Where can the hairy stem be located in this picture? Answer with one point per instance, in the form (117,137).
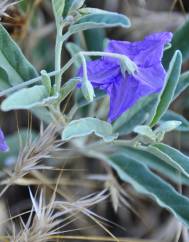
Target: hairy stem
(58,52)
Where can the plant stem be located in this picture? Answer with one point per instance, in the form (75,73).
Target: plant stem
(26,83)
(58,52)
(61,71)
(85,77)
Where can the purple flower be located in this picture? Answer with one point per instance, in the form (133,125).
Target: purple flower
(125,89)
(3,145)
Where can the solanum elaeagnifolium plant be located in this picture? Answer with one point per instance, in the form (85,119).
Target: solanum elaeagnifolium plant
(138,86)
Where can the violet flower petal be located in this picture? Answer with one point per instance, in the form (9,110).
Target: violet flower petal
(144,53)
(100,71)
(3,145)
(124,91)
(123,94)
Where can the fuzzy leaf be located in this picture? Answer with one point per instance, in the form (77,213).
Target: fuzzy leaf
(100,20)
(87,126)
(181,159)
(168,126)
(67,88)
(46,81)
(75,5)
(166,157)
(179,42)
(183,83)
(167,94)
(13,61)
(4,80)
(170,115)
(136,115)
(145,130)
(72,5)
(73,49)
(25,98)
(156,163)
(146,182)
(58,7)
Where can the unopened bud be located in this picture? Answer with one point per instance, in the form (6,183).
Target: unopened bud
(88,91)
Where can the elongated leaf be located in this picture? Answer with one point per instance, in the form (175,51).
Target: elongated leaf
(168,126)
(73,49)
(82,102)
(100,20)
(146,182)
(146,131)
(58,7)
(159,153)
(43,114)
(94,39)
(67,88)
(75,4)
(72,5)
(155,163)
(136,115)
(170,115)
(175,155)
(183,83)
(179,42)
(46,81)
(168,91)
(4,80)
(87,126)
(13,61)
(25,98)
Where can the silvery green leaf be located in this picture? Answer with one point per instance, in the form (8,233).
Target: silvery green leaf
(86,126)
(25,98)
(167,94)
(4,79)
(170,115)
(167,126)
(183,84)
(13,61)
(95,40)
(75,5)
(87,11)
(72,5)
(73,49)
(58,7)
(87,90)
(156,163)
(166,157)
(179,158)
(67,88)
(42,113)
(82,102)
(100,20)
(148,183)
(46,81)
(179,42)
(167,46)
(146,131)
(136,115)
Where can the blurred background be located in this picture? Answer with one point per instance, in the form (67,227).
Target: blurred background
(31,24)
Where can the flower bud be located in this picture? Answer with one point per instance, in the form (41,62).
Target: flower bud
(88,91)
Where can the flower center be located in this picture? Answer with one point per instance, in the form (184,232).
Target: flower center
(128,66)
